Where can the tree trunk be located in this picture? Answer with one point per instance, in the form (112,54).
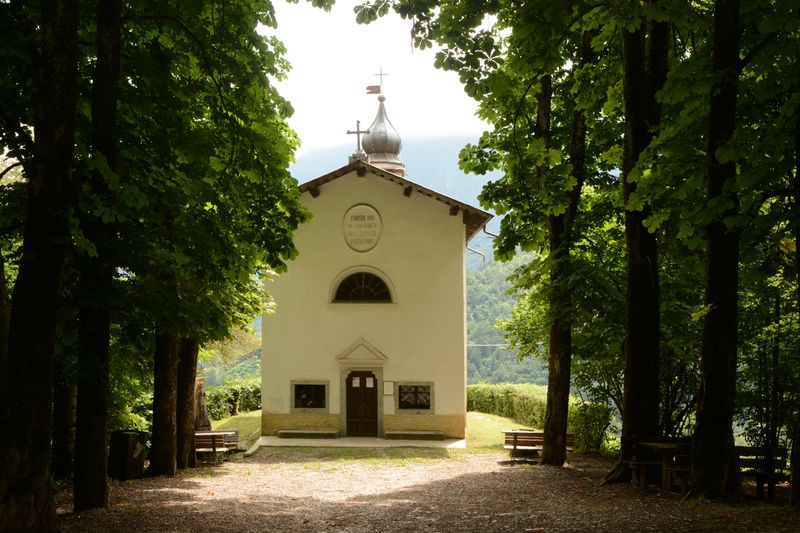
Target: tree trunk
(163,443)
(96,276)
(775,396)
(560,301)
(555,418)
(645,70)
(714,469)
(64,405)
(25,497)
(187,372)
(90,482)
(795,459)
(5,317)
(560,360)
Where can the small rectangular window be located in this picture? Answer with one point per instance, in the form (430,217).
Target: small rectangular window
(309,396)
(414,396)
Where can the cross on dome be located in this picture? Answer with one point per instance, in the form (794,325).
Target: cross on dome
(358,131)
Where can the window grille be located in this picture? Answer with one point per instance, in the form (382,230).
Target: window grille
(414,396)
(309,396)
(362,287)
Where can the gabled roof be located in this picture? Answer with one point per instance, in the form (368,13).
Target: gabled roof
(473,217)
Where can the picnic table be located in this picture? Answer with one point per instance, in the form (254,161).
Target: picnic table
(676,460)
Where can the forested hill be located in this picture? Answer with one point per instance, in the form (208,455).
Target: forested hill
(488,300)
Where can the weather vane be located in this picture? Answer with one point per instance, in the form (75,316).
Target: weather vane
(376,89)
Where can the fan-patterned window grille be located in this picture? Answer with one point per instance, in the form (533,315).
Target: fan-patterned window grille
(362,287)
(414,396)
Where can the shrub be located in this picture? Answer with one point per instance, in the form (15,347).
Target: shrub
(526,404)
(227,400)
(590,422)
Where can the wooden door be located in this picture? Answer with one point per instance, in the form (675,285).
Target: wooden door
(362,404)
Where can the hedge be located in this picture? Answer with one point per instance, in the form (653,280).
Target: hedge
(227,400)
(526,403)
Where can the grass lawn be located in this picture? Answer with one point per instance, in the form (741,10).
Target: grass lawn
(248,424)
(483,431)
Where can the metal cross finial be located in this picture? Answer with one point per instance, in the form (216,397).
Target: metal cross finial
(358,133)
(380,75)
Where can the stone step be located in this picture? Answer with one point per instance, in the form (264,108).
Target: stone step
(308,433)
(414,435)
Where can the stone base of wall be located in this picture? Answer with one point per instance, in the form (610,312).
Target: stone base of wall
(454,426)
(272,422)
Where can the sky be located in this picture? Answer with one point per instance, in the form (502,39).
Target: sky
(333,61)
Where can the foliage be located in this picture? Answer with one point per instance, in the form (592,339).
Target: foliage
(246,368)
(591,422)
(227,351)
(525,404)
(223,158)
(228,400)
(501,50)
(769,375)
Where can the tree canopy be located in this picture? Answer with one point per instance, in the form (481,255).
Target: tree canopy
(176,202)
(690,115)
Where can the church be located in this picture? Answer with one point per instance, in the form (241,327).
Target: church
(368,335)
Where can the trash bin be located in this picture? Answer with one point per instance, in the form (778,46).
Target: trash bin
(126,454)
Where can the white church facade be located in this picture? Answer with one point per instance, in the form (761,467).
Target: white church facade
(368,337)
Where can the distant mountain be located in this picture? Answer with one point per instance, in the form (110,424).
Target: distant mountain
(431,162)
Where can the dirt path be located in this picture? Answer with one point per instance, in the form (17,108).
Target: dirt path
(402,490)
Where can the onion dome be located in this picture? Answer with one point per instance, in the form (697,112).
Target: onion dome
(382,144)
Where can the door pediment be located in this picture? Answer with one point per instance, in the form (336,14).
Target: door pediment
(361,353)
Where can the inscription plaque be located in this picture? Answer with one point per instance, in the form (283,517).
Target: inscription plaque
(362,227)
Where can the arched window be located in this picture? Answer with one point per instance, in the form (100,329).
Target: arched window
(362,287)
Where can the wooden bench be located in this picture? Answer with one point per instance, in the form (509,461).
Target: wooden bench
(230,436)
(211,443)
(766,465)
(528,443)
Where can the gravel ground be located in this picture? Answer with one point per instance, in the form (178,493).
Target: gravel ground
(313,489)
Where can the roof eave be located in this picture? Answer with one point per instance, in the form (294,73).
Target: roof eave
(474,218)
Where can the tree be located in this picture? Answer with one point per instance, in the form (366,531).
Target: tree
(526,88)
(226,156)
(96,272)
(795,454)
(702,85)
(714,469)
(187,369)
(644,49)
(25,499)
(164,443)
(202,135)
